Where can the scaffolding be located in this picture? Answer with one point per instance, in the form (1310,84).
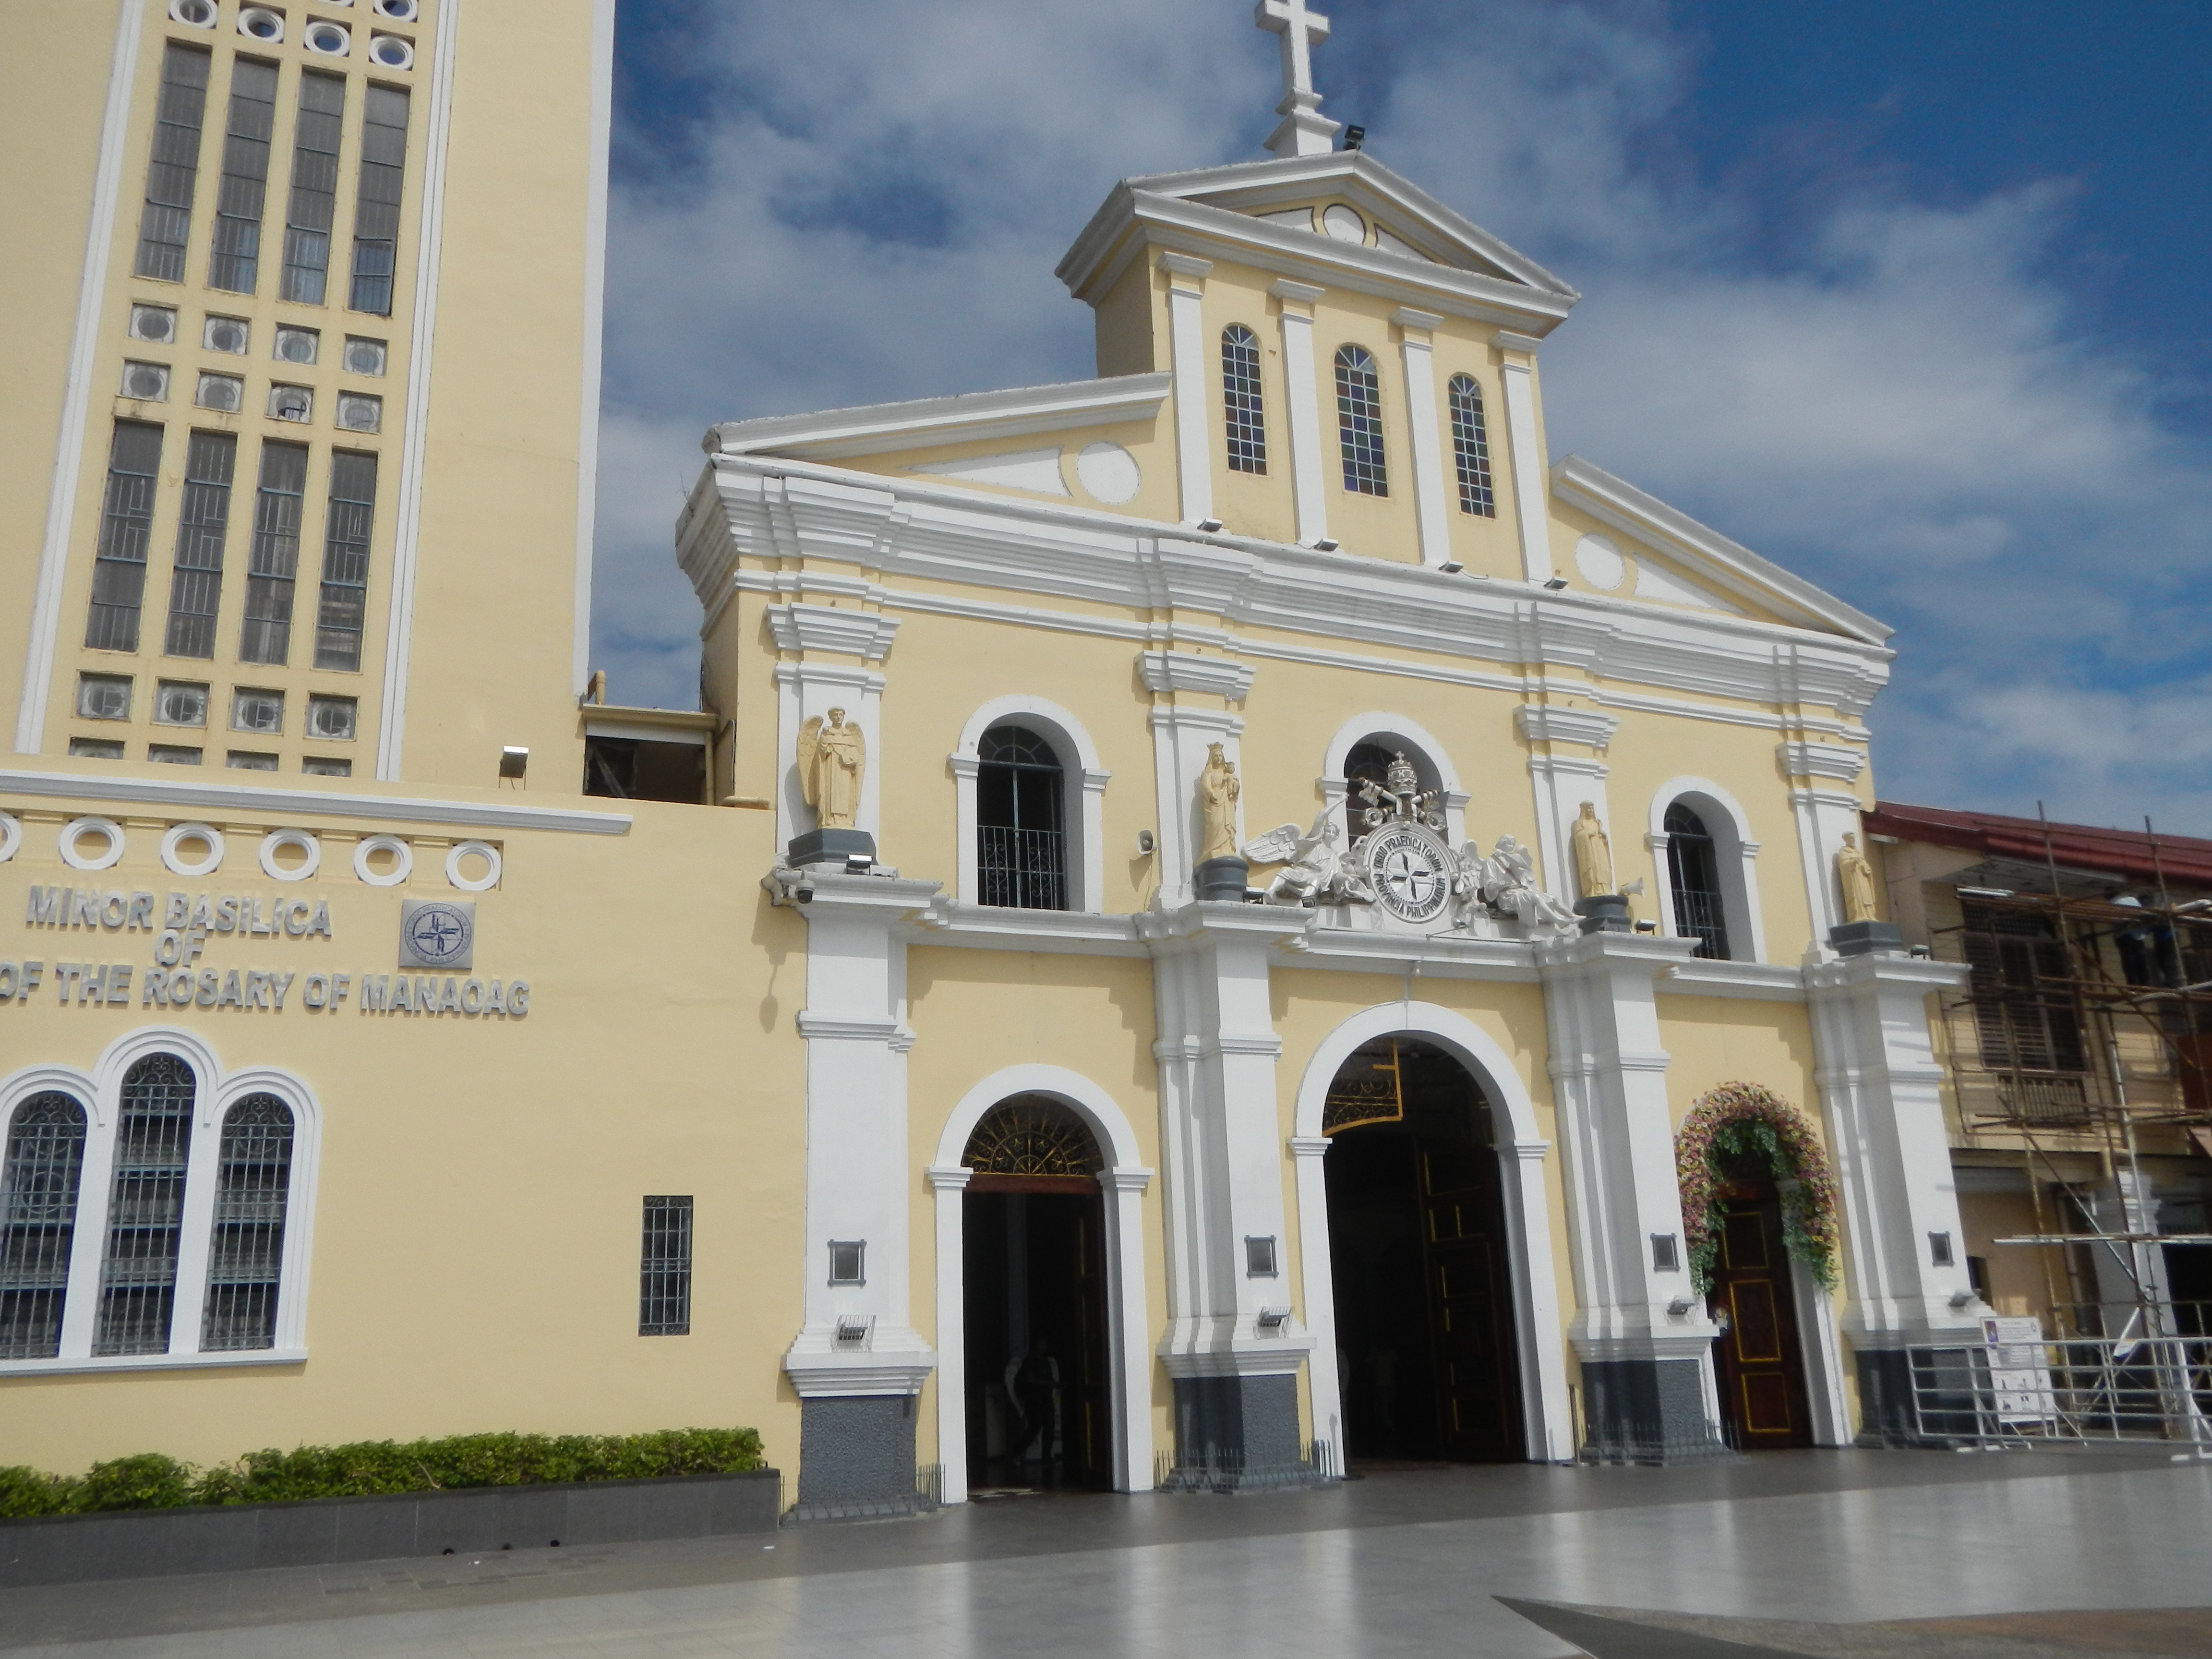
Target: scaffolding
(2084,1040)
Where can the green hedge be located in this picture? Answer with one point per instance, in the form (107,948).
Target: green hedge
(152,1481)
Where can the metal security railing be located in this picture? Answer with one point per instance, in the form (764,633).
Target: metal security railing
(1224,1469)
(1622,1441)
(1021,869)
(2133,1374)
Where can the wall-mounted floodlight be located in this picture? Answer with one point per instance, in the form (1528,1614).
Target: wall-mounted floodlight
(1212,526)
(513,762)
(1451,567)
(1354,137)
(1324,545)
(1556,583)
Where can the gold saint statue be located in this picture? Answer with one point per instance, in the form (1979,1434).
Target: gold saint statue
(1217,790)
(832,755)
(1593,853)
(1856,877)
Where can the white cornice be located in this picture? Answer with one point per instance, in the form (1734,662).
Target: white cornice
(1763,981)
(1705,551)
(1545,723)
(864,634)
(1185,671)
(1822,760)
(246,801)
(877,429)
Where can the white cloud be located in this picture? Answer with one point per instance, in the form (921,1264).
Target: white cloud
(1901,404)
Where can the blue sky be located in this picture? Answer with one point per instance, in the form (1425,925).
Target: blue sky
(1909,298)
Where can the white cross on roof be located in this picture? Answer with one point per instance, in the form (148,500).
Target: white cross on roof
(1303,131)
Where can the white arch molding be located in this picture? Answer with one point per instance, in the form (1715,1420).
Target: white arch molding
(1521,1154)
(1735,856)
(1128,1348)
(1083,806)
(1421,744)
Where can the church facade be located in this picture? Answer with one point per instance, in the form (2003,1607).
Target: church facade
(1205,898)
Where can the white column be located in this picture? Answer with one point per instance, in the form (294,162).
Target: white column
(1432,506)
(1186,337)
(1516,373)
(950,1187)
(1547,1420)
(1318,1295)
(1132,1344)
(1301,401)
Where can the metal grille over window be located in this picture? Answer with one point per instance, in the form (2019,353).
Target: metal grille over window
(273,560)
(664,1294)
(166,222)
(2026,1009)
(1036,1136)
(1693,871)
(1021,859)
(145,1215)
(234,262)
(126,524)
(376,213)
(38,1178)
(196,588)
(313,200)
(345,562)
(245,1253)
(1359,422)
(1471,447)
(1247,419)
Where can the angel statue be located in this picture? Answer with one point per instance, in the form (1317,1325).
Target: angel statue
(1314,871)
(831,758)
(1509,882)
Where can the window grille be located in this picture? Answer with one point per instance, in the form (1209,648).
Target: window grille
(313,202)
(1471,447)
(126,524)
(376,210)
(245,1253)
(664,1294)
(1240,391)
(1033,1135)
(1693,871)
(196,588)
(1021,858)
(153,1138)
(2021,985)
(1359,422)
(234,262)
(273,557)
(38,1178)
(165,224)
(345,562)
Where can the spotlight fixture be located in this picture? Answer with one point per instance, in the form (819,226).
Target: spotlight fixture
(513,762)
(1211,527)
(1451,567)
(1354,137)
(1324,545)
(1556,583)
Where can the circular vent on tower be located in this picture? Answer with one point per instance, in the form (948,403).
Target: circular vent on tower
(399,11)
(259,23)
(391,51)
(225,334)
(194,14)
(224,392)
(148,382)
(329,39)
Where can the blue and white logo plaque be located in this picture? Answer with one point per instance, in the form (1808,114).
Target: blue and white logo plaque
(440,933)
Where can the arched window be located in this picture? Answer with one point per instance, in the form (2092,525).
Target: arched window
(1359,422)
(246,1253)
(146,1208)
(1033,1138)
(1471,447)
(1021,791)
(39,1175)
(1245,420)
(1693,871)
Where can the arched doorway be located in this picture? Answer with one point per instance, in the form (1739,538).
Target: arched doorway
(1428,1364)
(1039,1405)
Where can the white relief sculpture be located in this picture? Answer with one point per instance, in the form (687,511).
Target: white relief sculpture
(1506,881)
(1313,868)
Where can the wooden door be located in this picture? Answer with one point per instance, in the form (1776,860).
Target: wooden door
(1761,1361)
(1471,1305)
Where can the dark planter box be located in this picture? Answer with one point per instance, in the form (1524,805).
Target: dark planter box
(70,1549)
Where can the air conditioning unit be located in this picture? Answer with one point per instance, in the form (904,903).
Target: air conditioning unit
(228,334)
(224,392)
(329,39)
(330,717)
(358,412)
(298,345)
(157,324)
(177,704)
(193,13)
(391,51)
(259,23)
(363,356)
(399,11)
(291,403)
(148,382)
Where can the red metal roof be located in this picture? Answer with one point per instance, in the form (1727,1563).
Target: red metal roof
(2126,853)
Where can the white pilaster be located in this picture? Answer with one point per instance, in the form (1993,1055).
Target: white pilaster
(1181,736)
(1132,1380)
(948,1187)
(1431,504)
(1563,783)
(1318,1295)
(1516,374)
(1193,378)
(1302,410)
(1823,816)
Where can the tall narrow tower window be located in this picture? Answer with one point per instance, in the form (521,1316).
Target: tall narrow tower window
(246,1253)
(196,588)
(376,213)
(273,561)
(1694,871)
(313,200)
(345,562)
(126,523)
(1471,447)
(1247,421)
(1359,422)
(235,261)
(165,224)
(38,1178)
(146,1212)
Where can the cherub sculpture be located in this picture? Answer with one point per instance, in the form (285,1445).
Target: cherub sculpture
(1507,883)
(1314,869)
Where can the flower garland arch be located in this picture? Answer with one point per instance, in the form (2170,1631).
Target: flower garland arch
(1739,1122)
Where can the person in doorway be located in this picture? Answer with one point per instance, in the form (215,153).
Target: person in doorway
(1033,1387)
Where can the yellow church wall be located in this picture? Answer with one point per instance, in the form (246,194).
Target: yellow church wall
(1127,321)
(1710,1041)
(1151,442)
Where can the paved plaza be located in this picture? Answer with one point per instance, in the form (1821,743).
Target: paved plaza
(1991,1556)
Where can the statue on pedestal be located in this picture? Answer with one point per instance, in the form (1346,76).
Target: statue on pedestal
(1856,877)
(832,757)
(1592,854)
(1219,787)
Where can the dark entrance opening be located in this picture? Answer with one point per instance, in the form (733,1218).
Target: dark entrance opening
(1759,1363)
(1033,1222)
(1427,1361)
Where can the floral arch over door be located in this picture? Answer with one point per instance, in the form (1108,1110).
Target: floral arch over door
(1740,1125)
